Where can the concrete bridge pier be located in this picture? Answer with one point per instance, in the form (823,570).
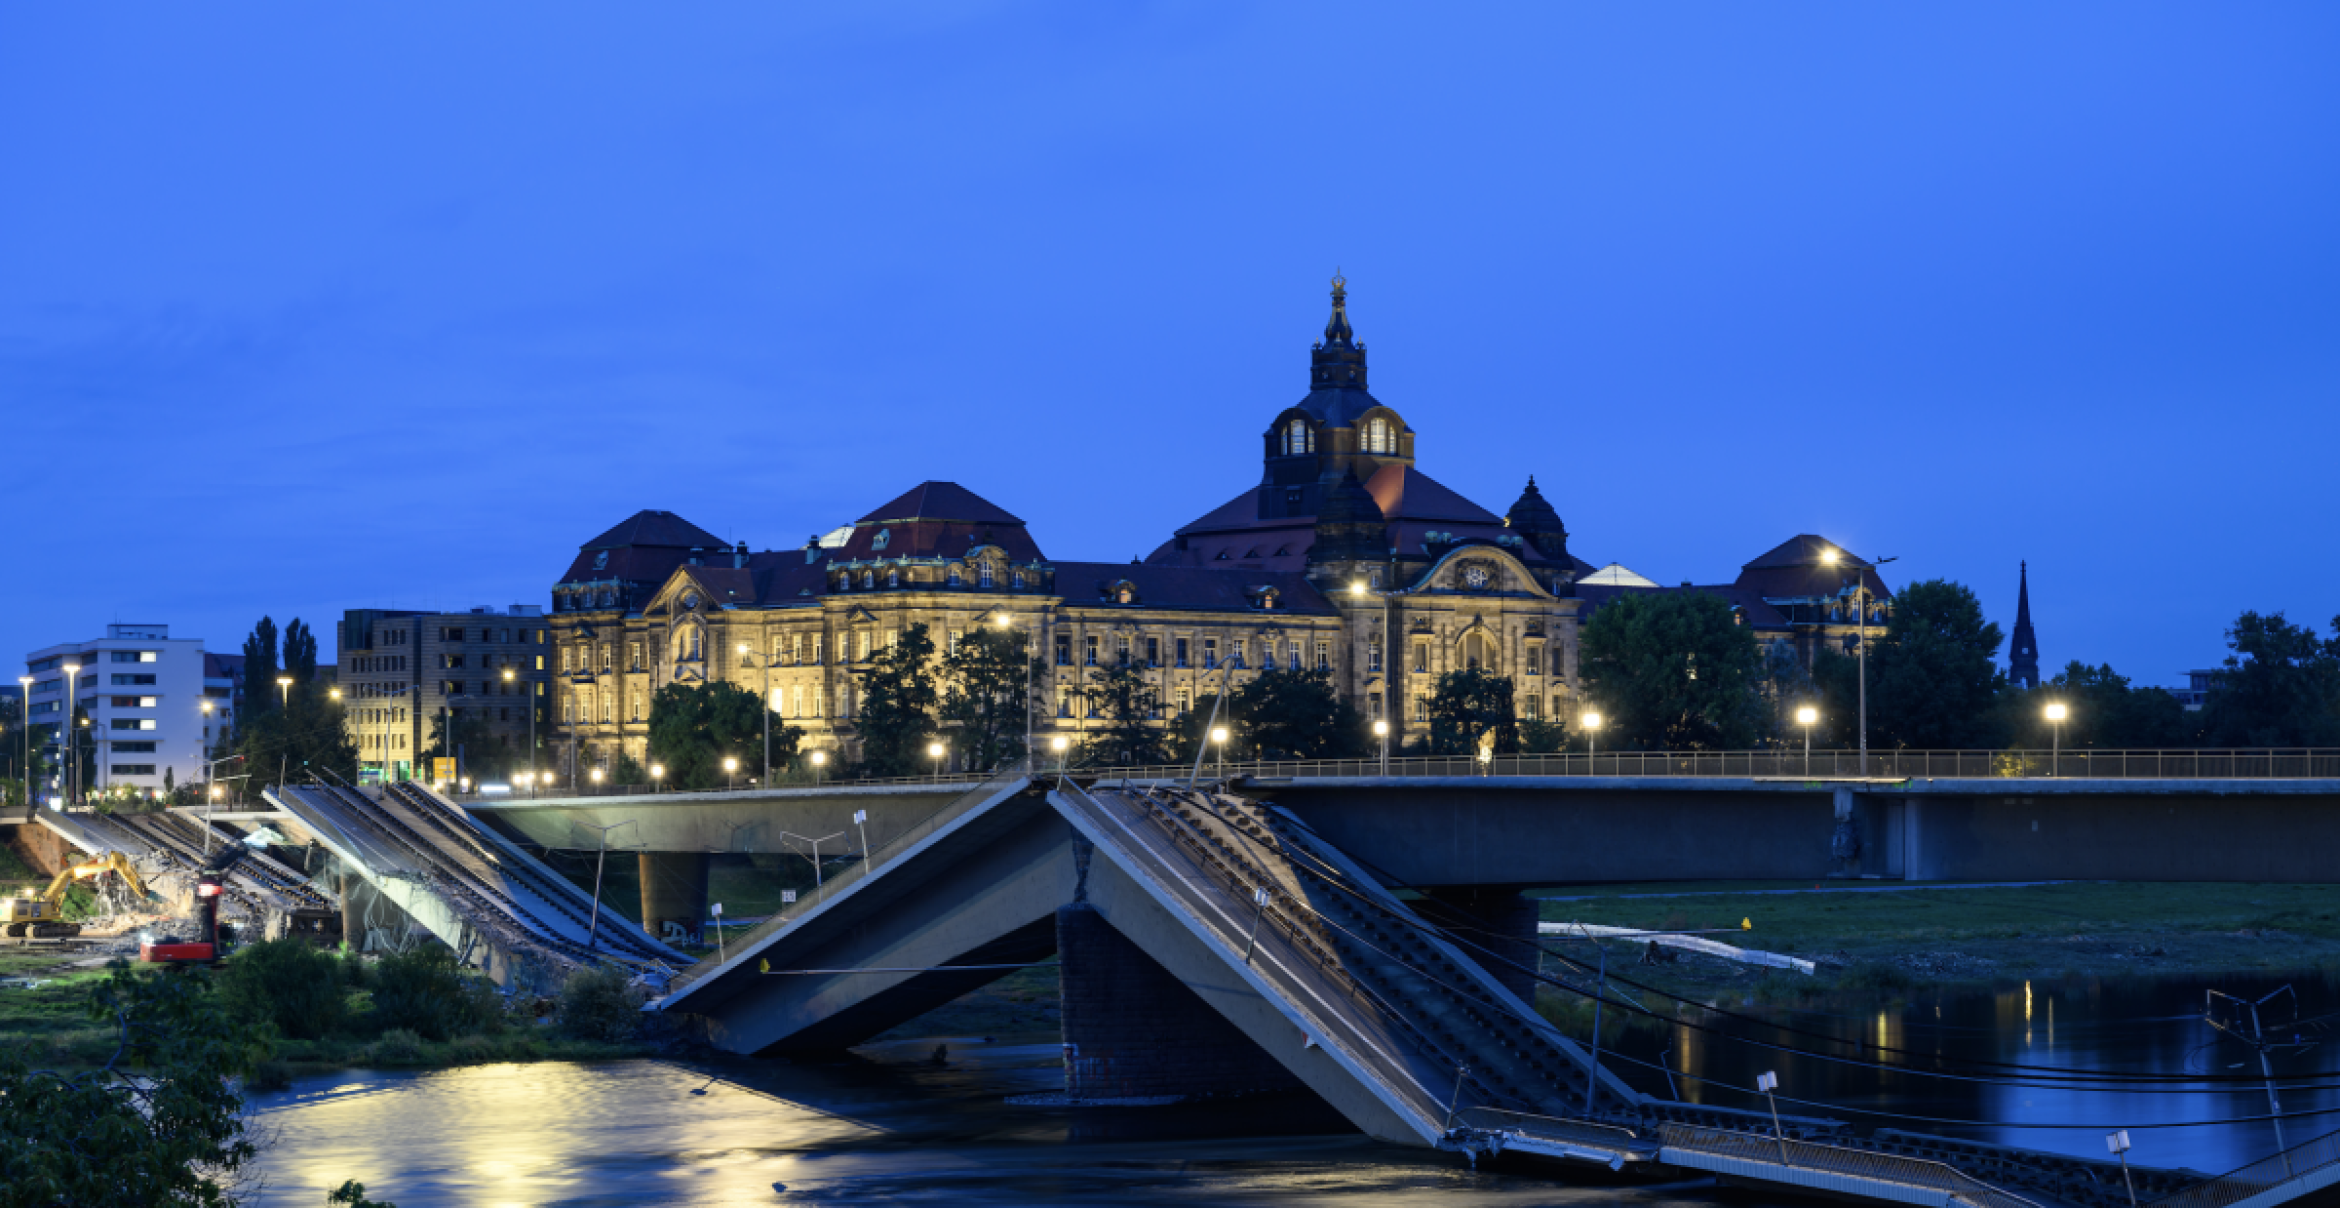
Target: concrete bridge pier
(1132,1030)
(1499,919)
(674,894)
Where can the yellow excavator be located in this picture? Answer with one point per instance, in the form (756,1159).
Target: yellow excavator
(42,916)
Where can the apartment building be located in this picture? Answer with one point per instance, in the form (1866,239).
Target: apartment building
(397,670)
(152,715)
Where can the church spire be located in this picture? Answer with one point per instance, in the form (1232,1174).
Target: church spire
(1336,329)
(2023,648)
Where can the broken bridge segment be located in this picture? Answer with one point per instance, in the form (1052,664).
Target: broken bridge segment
(476,891)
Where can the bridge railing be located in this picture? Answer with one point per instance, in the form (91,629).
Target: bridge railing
(2243,1182)
(1832,1159)
(844,878)
(2261,764)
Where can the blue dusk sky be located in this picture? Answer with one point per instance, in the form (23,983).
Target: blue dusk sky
(312,307)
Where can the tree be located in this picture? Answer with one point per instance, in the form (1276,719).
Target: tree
(2104,710)
(695,727)
(897,706)
(1837,695)
(1467,704)
(1673,671)
(310,736)
(989,699)
(158,1124)
(300,654)
(2280,687)
(458,730)
(1933,680)
(1299,715)
(260,695)
(1120,696)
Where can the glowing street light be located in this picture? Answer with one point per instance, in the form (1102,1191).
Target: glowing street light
(820,760)
(284,691)
(730,766)
(1059,744)
(934,751)
(657,773)
(2056,713)
(596,775)
(1806,715)
(1219,740)
(1592,732)
(1381,731)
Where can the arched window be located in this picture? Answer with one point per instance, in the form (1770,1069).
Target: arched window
(983,573)
(954,577)
(1380,436)
(869,578)
(893,578)
(1019,580)
(1298,439)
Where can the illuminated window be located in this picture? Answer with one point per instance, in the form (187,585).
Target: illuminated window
(1298,439)
(1380,436)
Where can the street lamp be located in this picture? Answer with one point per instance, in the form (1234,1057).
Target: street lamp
(1031,669)
(934,751)
(531,735)
(1059,744)
(730,766)
(25,682)
(820,759)
(1592,736)
(743,653)
(2056,713)
(1861,620)
(1805,716)
(1381,731)
(1219,739)
(657,773)
(1358,589)
(72,768)
(596,774)
(284,691)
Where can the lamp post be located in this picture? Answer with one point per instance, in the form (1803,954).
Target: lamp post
(508,678)
(1861,599)
(934,751)
(1219,740)
(1592,736)
(2056,713)
(284,685)
(600,856)
(730,770)
(820,760)
(1031,666)
(743,651)
(1805,716)
(657,774)
(25,682)
(1358,589)
(1059,744)
(816,850)
(1381,731)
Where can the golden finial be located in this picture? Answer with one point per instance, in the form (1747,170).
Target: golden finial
(1340,283)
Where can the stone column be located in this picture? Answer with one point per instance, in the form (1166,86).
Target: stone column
(1133,1031)
(1499,919)
(674,890)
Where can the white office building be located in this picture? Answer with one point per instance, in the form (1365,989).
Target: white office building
(144,694)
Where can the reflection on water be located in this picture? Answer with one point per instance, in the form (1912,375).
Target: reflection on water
(2087,1025)
(888,1125)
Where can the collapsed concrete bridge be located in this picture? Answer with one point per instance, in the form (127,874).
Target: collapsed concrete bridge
(1211,945)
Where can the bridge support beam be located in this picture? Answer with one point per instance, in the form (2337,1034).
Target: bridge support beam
(1134,1031)
(1497,918)
(674,893)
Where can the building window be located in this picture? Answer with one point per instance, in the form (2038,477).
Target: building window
(1298,439)
(1121,650)
(1064,700)
(1179,649)
(1528,705)
(1380,436)
(1185,701)
(1421,657)
(864,646)
(1091,659)
(983,576)
(954,642)
(133,769)
(1535,660)
(1019,581)
(1373,578)
(893,578)
(1063,650)
(1373,655)
(1210,653)
(1421,708)
(746,655)
(796,709)
(816,650)
(131,723)
(1373,704)
(1153,652)
(1324,656)
(952,580)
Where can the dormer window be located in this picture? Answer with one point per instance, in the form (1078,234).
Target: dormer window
(1380,436)
(868,579)
(983,576)
(1298,439)
(879,542)
(893,578)
(1017,582)
(953,580)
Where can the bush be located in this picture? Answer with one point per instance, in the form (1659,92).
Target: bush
(1876,975)
(290,983)
(597,1004)
(398,1046)
(426,992)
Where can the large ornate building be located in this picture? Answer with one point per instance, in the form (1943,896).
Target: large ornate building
(1346,556)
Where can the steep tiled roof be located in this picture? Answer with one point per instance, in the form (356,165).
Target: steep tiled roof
(1406,493)
(942,501)
(1087,583)
(648,528)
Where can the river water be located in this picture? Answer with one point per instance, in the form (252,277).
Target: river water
(889,1124)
